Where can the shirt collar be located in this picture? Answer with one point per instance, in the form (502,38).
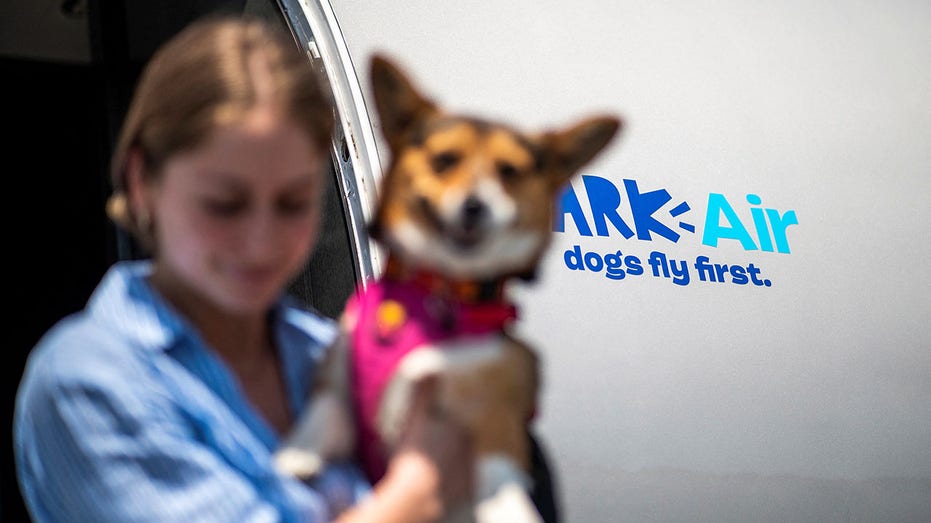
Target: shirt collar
(126,301)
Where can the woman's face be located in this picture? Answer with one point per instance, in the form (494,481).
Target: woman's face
(237,217)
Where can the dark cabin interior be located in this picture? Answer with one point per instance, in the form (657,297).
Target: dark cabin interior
(69,69)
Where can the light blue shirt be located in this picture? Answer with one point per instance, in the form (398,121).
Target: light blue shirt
(124,414)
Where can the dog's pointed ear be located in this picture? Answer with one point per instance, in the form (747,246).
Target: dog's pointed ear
(399,104)
(568,150)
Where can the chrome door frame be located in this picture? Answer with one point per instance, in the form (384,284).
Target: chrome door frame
(316,30)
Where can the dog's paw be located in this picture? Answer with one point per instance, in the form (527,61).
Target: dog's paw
(503,493)
(298,463)
(510,504)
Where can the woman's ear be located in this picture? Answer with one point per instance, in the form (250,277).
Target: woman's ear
(133,177)
(137,190)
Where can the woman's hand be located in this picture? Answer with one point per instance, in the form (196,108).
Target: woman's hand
(439,446)
(430,474)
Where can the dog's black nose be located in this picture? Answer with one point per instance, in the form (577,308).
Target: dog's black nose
(473,212)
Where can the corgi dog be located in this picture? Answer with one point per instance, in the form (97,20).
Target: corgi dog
(465,207)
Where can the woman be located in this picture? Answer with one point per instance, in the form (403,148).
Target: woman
(164,399)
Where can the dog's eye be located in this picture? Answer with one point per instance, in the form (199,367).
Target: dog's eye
(507,171)
(443,162)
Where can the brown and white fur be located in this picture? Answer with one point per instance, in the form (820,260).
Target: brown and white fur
(466,201)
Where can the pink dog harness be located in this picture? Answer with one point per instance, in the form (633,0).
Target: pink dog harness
(392,319)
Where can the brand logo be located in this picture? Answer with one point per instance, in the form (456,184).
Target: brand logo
(653,216)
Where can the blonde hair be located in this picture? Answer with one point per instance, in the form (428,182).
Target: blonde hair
(205,77)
